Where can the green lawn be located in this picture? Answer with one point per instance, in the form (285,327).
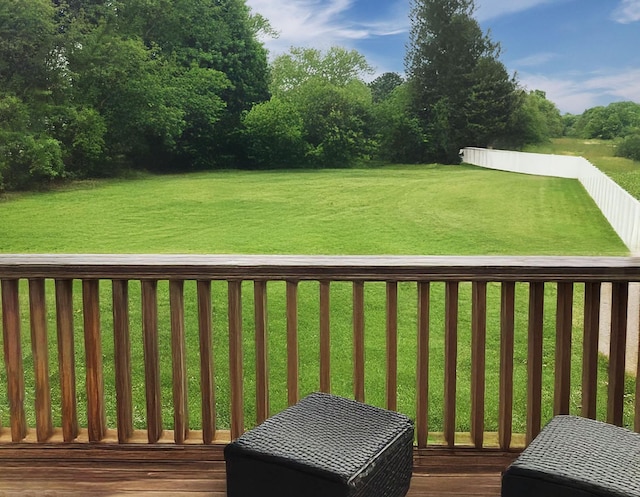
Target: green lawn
(390,210)
(399,210)
(600,153)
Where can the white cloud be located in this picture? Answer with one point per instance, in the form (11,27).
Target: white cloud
(623,85)
(627,12)
(323,23)
(575,93)
(490,9)
(534,59)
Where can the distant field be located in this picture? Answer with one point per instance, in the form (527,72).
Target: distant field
(393,210)
(600,153)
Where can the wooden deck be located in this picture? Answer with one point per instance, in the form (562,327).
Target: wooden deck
(108,471)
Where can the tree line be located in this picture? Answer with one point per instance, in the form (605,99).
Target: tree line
(619,121)
(92,88)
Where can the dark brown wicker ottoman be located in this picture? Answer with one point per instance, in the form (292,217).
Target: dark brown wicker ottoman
(324,446)
(577,457)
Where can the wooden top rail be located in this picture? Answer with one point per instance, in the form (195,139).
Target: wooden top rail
(335,268)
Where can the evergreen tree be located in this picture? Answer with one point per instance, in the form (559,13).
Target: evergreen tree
(462,93)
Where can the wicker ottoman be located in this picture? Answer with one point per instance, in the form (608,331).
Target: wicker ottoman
(324,446)
(577,457)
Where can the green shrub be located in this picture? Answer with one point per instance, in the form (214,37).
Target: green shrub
(629,147)
(28,161)
(273,131)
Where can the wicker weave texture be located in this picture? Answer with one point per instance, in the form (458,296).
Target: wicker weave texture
(582,454)
(364,449)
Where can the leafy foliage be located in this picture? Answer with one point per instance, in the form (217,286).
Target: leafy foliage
(616,120)
(97,85)
(629,147)
(399,133)
(322,111)
(534,120)
(275,132)
(383,86)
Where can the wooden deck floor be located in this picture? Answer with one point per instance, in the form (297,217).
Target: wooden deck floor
(106,473)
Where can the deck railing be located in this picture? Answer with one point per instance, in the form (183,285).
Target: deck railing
(464,310)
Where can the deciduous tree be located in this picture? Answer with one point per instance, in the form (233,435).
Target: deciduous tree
(326,89)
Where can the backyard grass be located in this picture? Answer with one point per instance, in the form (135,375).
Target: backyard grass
(600,153)
(427,210)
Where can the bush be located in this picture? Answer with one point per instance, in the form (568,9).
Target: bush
(28,161)
(629,148)
(273,131)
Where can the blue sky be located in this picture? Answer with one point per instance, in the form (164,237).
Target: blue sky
(582,53)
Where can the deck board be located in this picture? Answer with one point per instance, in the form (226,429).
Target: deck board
(452,473)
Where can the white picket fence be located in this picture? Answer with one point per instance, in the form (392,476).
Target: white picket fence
(621,209)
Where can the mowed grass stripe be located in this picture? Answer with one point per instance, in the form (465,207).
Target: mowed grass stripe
(396,210)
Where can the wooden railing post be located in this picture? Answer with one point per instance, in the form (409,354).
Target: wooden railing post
(618,337)
(392,346)
(122,359)
(325,336)
(590,348)
(358,340)
(235,358)
(450,360)
(564,327)
(66,358)
(293,389)
(151,359)
(178,362)
(422,380)
(96,422)
(40,350)
(534,360)
(478,360)
(262,357)
(207,384)
(13,358)
(507,329)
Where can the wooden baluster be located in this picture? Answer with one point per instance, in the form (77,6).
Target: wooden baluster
(507,327)
(178,362)
(235,358)
(534,360)
(478,360)
(40,350)
(13,358)
(358,340)
(207,385)
(325,336)
(151,359)
(66,358)
(122,358)
(590,349)
(619,302)
(392,346)
(262,357)
(422,381)
(564,326)
(96,423)
(450,361)
(293,389)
